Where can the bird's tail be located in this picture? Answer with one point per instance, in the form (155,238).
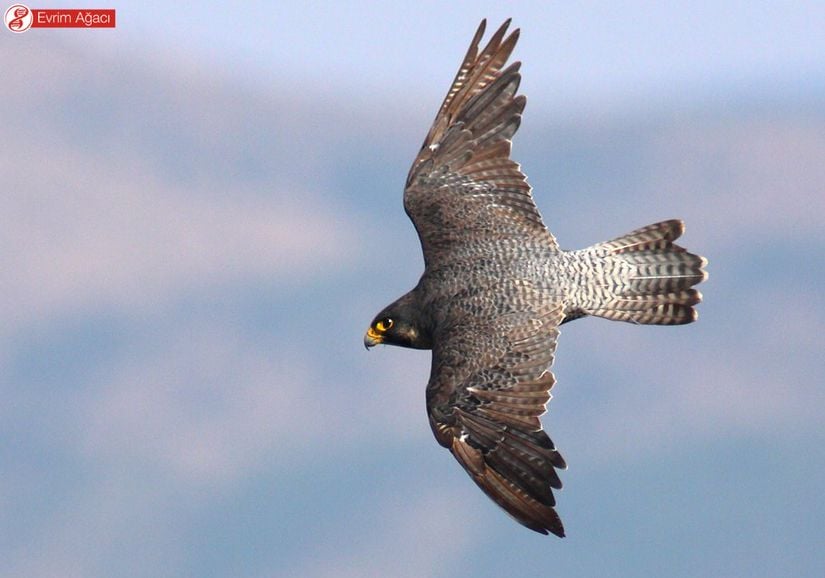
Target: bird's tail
(647,278)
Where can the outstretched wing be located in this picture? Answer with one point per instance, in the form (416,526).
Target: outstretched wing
(463,186)
(489,384)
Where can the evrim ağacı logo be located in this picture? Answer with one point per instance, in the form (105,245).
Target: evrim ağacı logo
(19,18)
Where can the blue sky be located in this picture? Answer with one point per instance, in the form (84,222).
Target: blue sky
(201,212)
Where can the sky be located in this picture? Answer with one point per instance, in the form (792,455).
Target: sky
(201,213)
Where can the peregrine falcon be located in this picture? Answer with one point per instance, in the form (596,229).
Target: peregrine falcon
(496,287)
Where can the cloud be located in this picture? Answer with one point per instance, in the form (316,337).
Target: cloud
(118,523)
(192,411)
(207,404)
(203,405)
(93,216)
(423,530)
(89,236)
(752,173)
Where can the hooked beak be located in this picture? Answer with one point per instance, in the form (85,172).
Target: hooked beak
(371,339)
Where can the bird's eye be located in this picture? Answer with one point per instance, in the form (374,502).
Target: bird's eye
(384,324)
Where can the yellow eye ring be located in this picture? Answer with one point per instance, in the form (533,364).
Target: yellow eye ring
(383,325)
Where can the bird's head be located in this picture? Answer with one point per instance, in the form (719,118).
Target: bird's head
(398,324)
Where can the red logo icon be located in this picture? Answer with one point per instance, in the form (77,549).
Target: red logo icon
(18,18)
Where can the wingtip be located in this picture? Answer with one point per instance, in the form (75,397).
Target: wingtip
(506,24)
(482,27)
(502,30)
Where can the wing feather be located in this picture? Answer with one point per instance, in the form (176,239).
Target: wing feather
(489,385)
(463,176)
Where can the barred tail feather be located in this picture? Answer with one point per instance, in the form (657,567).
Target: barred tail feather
(655,278)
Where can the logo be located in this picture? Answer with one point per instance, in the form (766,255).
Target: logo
(18,18)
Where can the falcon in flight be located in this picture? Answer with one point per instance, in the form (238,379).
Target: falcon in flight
(496,287)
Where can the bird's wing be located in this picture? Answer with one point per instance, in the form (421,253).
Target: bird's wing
(463,185)
(489,384)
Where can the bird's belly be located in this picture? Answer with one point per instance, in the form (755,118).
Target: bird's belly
(491,277)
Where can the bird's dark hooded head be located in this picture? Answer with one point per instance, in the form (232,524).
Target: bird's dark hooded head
(399,323)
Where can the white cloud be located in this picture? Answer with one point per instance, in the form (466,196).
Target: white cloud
(424,530)
(190,411)
(751,175)
(204,405)
(131,183)
(85,234)
(117,525)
